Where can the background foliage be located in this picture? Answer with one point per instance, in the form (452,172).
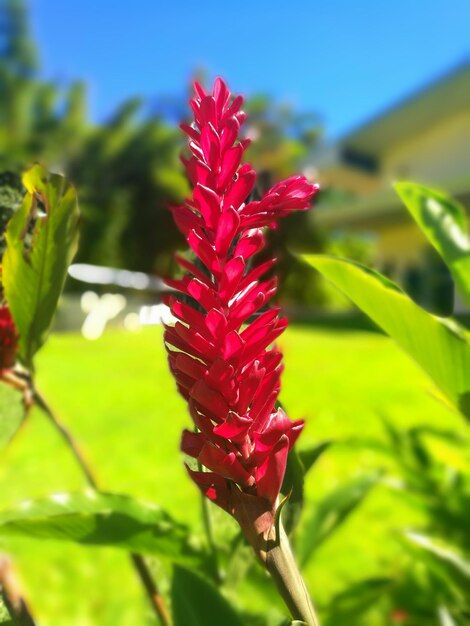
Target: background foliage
(126,168)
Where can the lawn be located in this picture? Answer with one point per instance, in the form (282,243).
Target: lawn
(117,396)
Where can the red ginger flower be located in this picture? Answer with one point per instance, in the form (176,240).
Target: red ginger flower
(223,364)
(8,339)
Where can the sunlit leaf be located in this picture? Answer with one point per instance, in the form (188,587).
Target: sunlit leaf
(331,512)
(100,519)
(41,241)
(444,222)
(440,346)
(445,618)
(196,602)
(12,412)
(443,555)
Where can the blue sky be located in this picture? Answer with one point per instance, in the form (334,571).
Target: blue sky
(346,60)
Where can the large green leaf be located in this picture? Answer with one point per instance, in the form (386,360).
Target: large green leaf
(41,241)
(101,519)
(12,412)
(444,223)
(331,512)
(196,602)
(441,347)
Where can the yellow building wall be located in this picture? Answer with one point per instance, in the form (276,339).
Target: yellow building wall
(345,178)
(440,154)
(398,246)
(404,244)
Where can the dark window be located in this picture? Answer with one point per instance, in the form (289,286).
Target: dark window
(439,285)
(360,160)
(413,282)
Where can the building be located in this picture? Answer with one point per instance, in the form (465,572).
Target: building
(426,139)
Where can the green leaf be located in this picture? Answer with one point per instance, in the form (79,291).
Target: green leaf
(299,462)
(293,488)
(196,602)
(240,560)
(309,456)
(12,413)
(101,519)
(5,619)
(446,558)
(348,605)
(445,618)
(440,346)
(331,512)
(41,241)
(444,222)
(418,449)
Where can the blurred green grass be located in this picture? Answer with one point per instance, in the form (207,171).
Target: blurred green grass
(117,396)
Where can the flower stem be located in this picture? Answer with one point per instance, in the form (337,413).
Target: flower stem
(209,530)
(68,438)
(151,588)
(280,563)
(138,561)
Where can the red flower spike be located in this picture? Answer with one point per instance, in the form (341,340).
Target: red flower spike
(225,365)
(8,339)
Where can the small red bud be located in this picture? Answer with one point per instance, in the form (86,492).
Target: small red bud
(8,339)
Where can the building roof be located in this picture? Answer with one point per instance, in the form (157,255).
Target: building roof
(446,96)
(360,152)
(383,205)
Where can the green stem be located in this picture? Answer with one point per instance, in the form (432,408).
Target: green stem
(68,438)
(280,563)
(209,530)
(137,560)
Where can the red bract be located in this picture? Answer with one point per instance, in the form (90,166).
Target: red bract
(220,348)
(8,339)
